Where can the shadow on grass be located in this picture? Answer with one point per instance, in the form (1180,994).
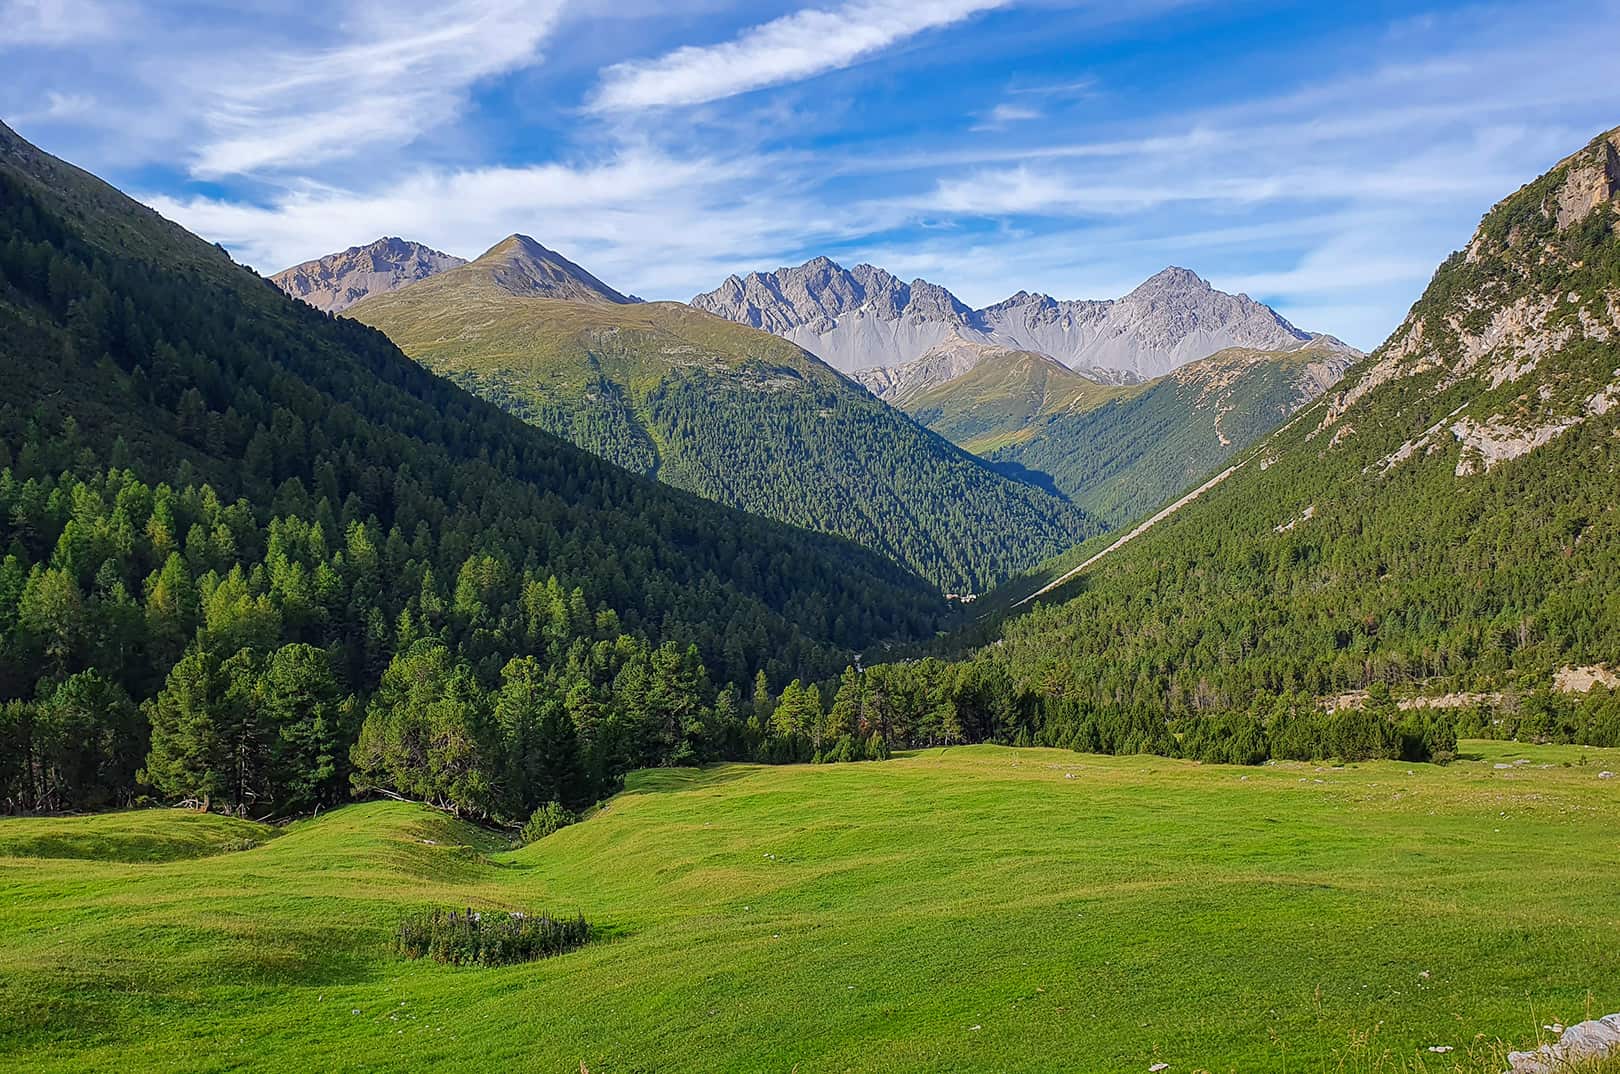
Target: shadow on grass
(666,780)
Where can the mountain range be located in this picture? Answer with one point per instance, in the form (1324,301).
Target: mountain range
(725,410)
(865,318)
(1117,450)
(669,390)
(1442,519)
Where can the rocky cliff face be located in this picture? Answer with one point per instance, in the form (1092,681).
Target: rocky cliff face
(853,319)
(1517,331)
(863,318)
(337,281)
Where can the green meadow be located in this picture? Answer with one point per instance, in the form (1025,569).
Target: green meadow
(976,908)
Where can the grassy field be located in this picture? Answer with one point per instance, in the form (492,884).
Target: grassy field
(970,909)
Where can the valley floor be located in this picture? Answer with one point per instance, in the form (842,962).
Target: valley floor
(965,909)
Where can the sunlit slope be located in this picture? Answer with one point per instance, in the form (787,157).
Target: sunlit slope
(973,909)
(1118,451)
(731,413)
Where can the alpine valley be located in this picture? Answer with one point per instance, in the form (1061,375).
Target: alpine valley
(410,663)
(720,409)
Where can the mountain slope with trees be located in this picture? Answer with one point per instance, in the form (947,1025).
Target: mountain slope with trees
(1422,554)
(1447,519)
(1118,451)
(729,412)
(251,554)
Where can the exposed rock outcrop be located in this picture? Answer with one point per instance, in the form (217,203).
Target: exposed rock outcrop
(337,281)
(1583,1043)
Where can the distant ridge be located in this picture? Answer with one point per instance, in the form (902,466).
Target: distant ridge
(735,414)
(865,318)
(337,281)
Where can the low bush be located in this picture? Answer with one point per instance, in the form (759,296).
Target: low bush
(546,819)
(488,938)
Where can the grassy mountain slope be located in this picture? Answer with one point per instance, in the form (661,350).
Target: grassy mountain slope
(127,339)
(976,909)
(731,413)
(1004,397)
(1120,450)
(1447,515)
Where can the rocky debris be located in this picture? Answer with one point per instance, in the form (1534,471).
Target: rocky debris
(337,281)
(1487,443)
(1304,516)
(1585,1042)
(865,318)
(1357,698)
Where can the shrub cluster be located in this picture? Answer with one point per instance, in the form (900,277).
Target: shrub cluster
(490,938)
(546,819)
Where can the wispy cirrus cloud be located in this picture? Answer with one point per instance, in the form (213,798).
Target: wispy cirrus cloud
(642,219)
(788,49)
(392,74)
(1003,115)
(53,22)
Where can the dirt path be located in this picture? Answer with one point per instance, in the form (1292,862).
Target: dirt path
(1141,528)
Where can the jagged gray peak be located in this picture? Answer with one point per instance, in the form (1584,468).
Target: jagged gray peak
(863,318)
(337,281)
(845,316)
(1172,318)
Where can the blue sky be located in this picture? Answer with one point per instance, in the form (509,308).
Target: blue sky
(1322,158)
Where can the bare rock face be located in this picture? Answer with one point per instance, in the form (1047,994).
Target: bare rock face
(853,319)
(337,281)
(1594,178)
(863,318)
(1519,326)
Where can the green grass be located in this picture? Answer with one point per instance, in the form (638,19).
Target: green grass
(141,835)
(970,909)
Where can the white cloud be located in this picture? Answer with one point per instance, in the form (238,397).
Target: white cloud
(787,49)
(53,22)
(393,74)
(643,220)
(58,107)
(1003,115)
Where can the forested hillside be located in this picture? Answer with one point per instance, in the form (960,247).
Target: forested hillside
(1446,519)
(726,411)
(1120,450)
(238,535)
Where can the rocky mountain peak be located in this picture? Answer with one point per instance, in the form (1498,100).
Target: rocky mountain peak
(865,318)
(337,281)
(521,266)
(1516,331)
